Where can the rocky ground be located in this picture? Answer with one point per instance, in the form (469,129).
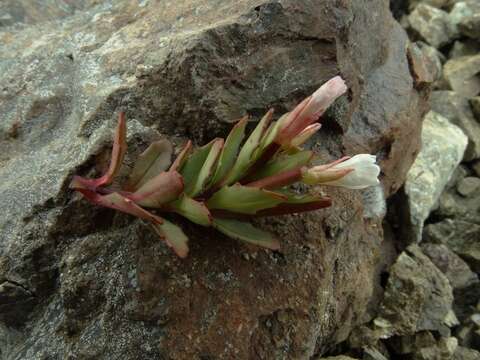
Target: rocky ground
(431,305)
(351,281)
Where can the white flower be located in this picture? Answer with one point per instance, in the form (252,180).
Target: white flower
(358,172)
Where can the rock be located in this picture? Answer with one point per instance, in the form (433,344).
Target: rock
(443,349)
(466,16)
(443,148)
(105,287)
(469,186)
(465,283)
(476,167)
(454,268)
(424,346)
(435,3)
(453,205)
(475,103)
(417,297)
(339,357)
(463,353)
(460,236)
(460,172)
(456,108)
(432,25)
(461,74)
(424,69)
(464,48)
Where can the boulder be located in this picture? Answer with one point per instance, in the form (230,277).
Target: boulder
(454,268)
(475,103)
(469,186)
(466,16)
(463,353)
(460,236)
(432,25)
(417,297)
(466,47)
(442,150)
(465,283)
(456,108)
(461,74)
(104,286)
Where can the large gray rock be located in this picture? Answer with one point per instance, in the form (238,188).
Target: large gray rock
(443,145)
(456,108)
(463,353)
(466,47)
(432,25)
(103,286)
(417,297)
(461,74)
(454,268)
(465,283)
(466,16)
(460,236)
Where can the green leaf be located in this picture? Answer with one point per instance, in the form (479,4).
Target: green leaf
(150,163)
(194,164)
(230,151)
(283,163)
(243,199)
(173,236)
(246,232)
(163,188)
(193,210)
(297,203)
(182,157)
(206,171)
(270,136)
(244,159)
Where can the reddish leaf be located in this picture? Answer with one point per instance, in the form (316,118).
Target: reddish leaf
(163,188)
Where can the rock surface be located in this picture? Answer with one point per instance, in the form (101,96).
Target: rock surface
(432,25)
(466,16)
(442,151)
(456,108)
(417,297)
(104,287)
(461,74)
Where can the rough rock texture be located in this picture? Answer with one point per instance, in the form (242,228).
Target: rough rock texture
(95,284)
(432,25)
(454,268)
(466,16)
(461,236)
(417,297)
(461,74)
(456,108)
(442,150)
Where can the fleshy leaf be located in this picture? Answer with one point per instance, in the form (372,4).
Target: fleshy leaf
(244,159)
(243,199)
(201,179)
(182,157)
(194,164)
(119,202)
(296,204)
(173,236)
(245,231)
(163,188)
(230,150)
(193,210)
(278,180)
(150,163)
(283,163)
(118,153)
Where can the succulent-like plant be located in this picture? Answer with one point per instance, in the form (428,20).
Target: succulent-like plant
(225,182)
